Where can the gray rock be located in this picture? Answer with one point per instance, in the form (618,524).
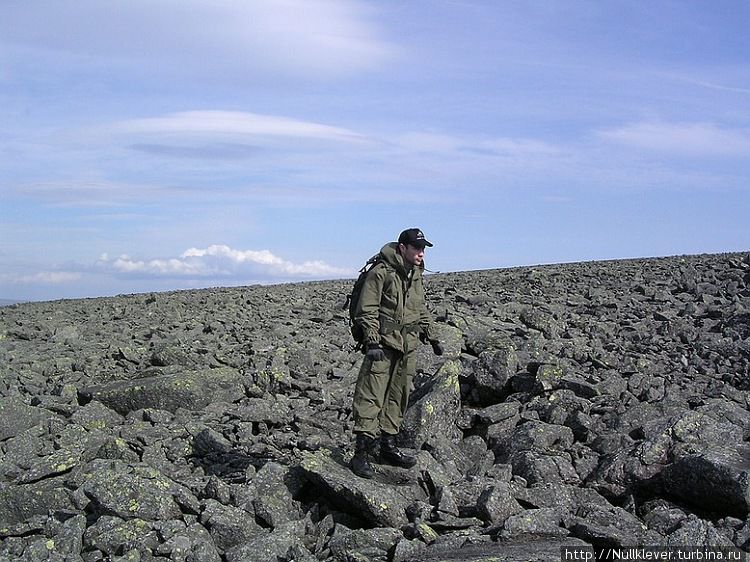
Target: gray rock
(276,487)
(229,526)
(192,390)
(283,543)
(522,550)
(54,464)
(367,544)
(379,503)
(16,416)
(433,410)
(542,522)
(717,478)
(111,535)
(567,389)
(610,527)
(697,533)
(497,504)
(538,436)
(139,493)
(492,371)
(20,502)
(96,415)
(539,468)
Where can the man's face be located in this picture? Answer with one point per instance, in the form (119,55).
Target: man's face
(413,255)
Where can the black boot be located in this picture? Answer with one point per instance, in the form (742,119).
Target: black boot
(360,463)
(390,454)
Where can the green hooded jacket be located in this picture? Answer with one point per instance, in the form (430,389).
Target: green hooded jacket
(391,307)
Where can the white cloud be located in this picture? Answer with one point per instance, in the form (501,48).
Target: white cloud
(234,123)
(692,139)
(221,261)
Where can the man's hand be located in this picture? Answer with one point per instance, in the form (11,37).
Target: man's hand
(437,347)
(375,352)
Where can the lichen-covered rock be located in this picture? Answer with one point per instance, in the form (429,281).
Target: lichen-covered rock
(497,504)
(191,390)
(96,415)
(610,527)
(542,522)
(434,408)
(229,526)
(368,544)
(17,416)
(130,493)
(492,371)
(276,486)
(111,535)
(379,503)
(19,502)
(283,543)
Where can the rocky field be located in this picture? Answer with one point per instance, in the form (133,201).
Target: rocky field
(591,405)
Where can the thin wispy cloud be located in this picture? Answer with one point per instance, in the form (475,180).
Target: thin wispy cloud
(488,146)
(42,278)
(723,87)
(691,139)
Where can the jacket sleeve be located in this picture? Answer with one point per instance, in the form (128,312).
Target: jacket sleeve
(368,308)
(425,318)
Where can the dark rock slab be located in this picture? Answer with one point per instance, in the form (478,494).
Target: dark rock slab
(545,521)
(276,486)
(229,526)
(283,543)
(610,527)
(717,479)
(365,544)
(434,408)
(20,502)
(191,390)
(382,504)
(17,416)
(542,549)
(131,493)
(492,371)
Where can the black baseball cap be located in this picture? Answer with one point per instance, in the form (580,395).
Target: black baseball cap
(413,236)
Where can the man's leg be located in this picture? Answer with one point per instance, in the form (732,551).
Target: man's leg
(369,399)
(397,394)
(396,402)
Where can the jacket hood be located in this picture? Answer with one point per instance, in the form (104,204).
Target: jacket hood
(390,255)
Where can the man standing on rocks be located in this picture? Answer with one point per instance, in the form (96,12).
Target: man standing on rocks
(393,316)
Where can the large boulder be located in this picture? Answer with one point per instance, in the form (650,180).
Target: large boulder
(717,479)
(434,408)
(17,416)
(20,502)
(379,503)
(139,492)
(191,390)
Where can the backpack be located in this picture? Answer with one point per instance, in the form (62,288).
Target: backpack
(352,299)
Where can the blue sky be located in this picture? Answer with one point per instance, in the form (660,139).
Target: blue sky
(169,144)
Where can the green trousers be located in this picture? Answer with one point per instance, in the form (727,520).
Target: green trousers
(382,393)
